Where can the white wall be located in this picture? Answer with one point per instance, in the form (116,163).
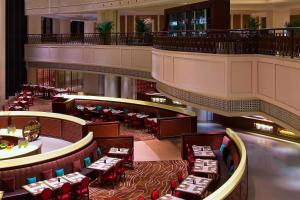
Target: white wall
(273,79)
(127,57)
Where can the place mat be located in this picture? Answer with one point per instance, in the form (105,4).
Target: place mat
(123,151)
(201,148)
(206,166)
(169,197)
(36,188)
(54,183)
(207,154)
(74,178)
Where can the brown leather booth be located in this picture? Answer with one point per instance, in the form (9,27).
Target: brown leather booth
(215,140)
(105,143)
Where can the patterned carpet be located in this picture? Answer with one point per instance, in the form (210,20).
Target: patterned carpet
(145,177)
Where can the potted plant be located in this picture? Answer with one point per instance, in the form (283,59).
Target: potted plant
(104,29)
(141,29)
(141,26)
(252,24)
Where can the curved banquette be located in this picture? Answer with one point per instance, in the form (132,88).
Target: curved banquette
(233,186)
(13,172)
(172,121)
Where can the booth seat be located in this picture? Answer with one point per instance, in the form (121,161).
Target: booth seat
(229,156)
(19,175)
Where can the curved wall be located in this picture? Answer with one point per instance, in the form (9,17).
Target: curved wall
(99,58)
(232,84)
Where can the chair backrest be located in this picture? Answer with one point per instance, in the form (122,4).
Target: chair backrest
(85,183)
(173,185)
(65,188)
(179,177)
(155,194)
(46,194)
(141,198)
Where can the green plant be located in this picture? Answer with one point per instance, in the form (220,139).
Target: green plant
(252,23)
(141,26)
(104,27)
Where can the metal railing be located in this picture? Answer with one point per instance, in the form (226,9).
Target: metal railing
(283,42)
(138,39)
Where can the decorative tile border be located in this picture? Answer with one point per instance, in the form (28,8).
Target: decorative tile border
(92,68)
(233,106)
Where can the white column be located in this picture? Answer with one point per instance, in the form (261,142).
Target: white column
(64,26)
(125,23)
(279,18)
(90,83)
(126,88)
(158,23)
(55,26)
(89,27)
(34,24)
(2,53)
(109,15)
(111,86)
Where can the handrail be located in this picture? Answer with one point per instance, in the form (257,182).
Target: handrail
(131,101)
(49,155)
(277,41)
(226,189)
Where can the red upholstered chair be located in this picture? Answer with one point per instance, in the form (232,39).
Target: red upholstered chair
(177,194)
(127,120)
(121,170)
(64,193)
(154,127)
(191,160)
(141,198)
(189,169)
(111,176)
(173,185)
(46,194)
(82,190)
(154,195)
(136,122)
(129,160)
(147,124)
(180,177)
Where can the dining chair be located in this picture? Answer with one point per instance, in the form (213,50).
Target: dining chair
(64,193)
(82,191)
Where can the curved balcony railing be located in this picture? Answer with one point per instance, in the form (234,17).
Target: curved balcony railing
(281,42)
(137,39)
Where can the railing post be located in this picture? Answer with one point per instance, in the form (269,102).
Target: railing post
(292,37)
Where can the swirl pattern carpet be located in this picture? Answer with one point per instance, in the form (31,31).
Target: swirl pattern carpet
(145,177)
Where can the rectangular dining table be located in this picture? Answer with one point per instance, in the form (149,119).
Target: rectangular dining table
(104,164)
(36,188)
(208,167)
(194,185)
(169,197)
(203,152)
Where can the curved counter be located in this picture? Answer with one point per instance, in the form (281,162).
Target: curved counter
(16,152)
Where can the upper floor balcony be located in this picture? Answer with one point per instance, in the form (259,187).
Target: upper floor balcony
(277,42)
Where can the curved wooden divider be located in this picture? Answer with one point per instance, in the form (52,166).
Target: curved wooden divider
(171,121)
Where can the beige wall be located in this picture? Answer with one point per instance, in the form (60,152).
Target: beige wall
(138,58)
(273,79)
(65,26)
(89,26)
(109,15)
(34,24)
(2,52)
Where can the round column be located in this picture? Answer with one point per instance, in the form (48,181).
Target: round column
(2,53)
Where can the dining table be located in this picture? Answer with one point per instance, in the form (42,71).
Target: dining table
(169,197)
(206,167)
(104,164)
(194,185)
(203,152)
(53,183)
